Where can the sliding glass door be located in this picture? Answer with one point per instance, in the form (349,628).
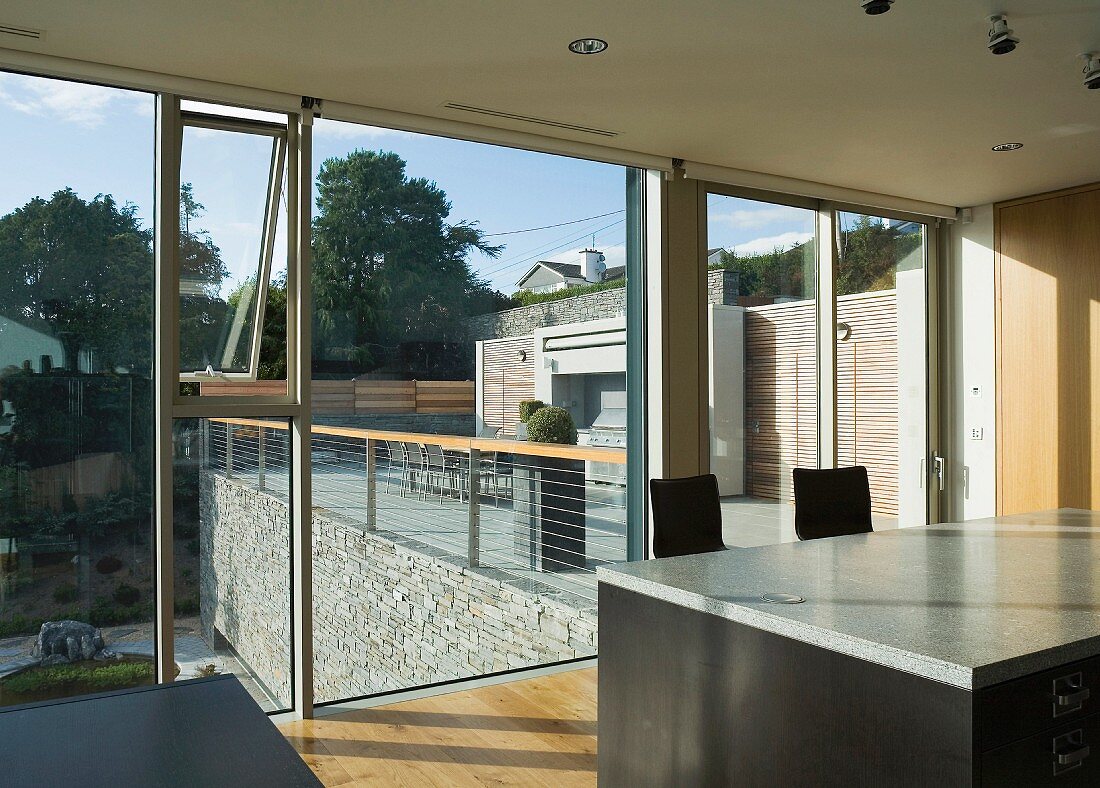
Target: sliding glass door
(882,361)
(778,382)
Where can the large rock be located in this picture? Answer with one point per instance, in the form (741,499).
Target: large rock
(60,642)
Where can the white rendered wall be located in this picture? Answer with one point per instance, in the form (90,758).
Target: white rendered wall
(726,380)
(970,311)
(912,306)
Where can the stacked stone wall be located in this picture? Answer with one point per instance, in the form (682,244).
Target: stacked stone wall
(389,612)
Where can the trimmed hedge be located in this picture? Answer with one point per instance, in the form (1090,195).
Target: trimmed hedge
(552,425)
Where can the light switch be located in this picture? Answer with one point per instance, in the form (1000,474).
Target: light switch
(977,433)
(976,392)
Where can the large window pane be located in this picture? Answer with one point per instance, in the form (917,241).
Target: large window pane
(761,270)
(76,325)
(452,281)
(882,361)
(232,554)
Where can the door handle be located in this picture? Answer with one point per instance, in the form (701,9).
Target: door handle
(939,469)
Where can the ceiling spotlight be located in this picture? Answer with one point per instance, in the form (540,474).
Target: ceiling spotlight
(876,7)
(1091,70)
(1001,40)
(1008,146)
(588,46)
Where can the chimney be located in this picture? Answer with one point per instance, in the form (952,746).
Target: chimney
(592,265)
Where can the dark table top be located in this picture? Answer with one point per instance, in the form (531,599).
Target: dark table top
(206,732)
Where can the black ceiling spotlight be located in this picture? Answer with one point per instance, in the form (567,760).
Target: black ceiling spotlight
(1091,70)
(1001,40)
(876,7)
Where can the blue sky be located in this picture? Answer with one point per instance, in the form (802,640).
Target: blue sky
(100,140)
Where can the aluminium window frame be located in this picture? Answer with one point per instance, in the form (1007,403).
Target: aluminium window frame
(825,308)
(276,169)
(294,406)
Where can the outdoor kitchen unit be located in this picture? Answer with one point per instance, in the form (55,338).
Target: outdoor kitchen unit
(608,429)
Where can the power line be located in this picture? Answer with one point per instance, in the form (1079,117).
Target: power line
(552,226)
(528,259)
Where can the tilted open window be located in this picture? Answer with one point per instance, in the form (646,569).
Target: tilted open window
(232,271)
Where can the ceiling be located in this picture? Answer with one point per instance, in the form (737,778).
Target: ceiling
(908,103)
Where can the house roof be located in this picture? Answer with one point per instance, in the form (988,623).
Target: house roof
(569,271)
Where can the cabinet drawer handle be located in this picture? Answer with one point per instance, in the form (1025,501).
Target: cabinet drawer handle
(1072,699)
(1075,756)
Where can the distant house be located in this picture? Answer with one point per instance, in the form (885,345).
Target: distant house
(714,256)
(21,345)
(546,276)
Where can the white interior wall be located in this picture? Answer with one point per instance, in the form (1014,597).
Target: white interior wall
(971,315)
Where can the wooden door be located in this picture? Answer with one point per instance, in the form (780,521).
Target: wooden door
(1048,351)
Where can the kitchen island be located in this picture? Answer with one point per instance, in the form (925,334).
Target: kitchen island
(950,654)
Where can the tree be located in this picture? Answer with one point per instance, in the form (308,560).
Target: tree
(203,310)
(870,255)
(83,270)
(387,267)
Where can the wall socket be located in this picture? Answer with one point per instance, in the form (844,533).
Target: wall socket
(977,433)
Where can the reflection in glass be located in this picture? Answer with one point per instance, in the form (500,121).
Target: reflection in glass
(76,336)
(230,198)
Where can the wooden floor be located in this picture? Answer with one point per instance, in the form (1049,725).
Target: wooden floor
(539,731)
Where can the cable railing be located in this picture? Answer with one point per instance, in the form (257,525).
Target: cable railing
(528,511)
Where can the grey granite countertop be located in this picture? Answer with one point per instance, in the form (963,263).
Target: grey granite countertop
(970,604)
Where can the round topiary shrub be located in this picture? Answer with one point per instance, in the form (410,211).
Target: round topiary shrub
(127,595)
(108,564)
(552,424)
(527,407)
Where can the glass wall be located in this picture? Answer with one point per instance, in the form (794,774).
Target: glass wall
(453,284)
(231,554)
(761,274)
(76,337)
(882,361)
(765,360)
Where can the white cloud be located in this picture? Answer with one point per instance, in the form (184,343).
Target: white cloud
(82,105)
(755,218)
(772,242)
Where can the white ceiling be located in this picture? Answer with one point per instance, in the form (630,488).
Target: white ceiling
(908,103)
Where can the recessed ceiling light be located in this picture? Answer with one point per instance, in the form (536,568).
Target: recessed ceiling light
(588,46)
(1008,146)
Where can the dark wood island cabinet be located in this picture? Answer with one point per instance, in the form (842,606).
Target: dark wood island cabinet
(944,655)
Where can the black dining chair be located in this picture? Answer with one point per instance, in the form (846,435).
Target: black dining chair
(687,516)
(831,502)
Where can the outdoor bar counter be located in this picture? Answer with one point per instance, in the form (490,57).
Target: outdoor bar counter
(949,654)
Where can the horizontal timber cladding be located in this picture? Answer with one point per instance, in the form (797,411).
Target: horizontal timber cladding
(363,397)
(781,394)
(508,376)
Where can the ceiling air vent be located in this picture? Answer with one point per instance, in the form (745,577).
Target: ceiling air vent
(557,124)
(20,32)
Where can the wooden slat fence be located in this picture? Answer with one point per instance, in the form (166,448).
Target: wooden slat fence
(781,395)
(361,397)
(507,379)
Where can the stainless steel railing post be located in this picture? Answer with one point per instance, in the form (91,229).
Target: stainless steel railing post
(372,485)
(474,535)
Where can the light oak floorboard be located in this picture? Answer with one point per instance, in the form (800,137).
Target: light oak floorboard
(539,732)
